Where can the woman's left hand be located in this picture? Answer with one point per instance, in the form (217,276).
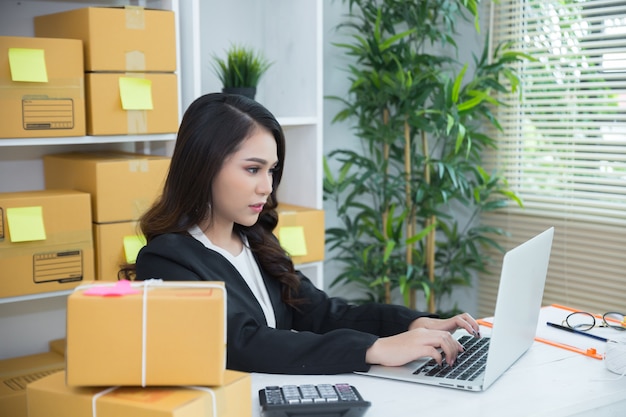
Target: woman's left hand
(460,321)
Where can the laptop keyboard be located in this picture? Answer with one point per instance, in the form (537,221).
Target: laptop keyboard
(469,363)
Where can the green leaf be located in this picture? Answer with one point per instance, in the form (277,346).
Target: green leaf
(459,138)
(388,250)
(328,175)
(457,84)
(450,124)
(421,235)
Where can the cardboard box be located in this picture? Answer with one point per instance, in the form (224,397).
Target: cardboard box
(51,108)
(117,38)
(113,242)
(122,185)
(301,232)
(50,397)
(185,341)
(45,241)
(106,114)
(17,373)
(58,346)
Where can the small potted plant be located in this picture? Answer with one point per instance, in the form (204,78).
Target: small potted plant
(241,70)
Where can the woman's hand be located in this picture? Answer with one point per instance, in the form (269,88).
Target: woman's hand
(426,337)
(411,345)
(460,321)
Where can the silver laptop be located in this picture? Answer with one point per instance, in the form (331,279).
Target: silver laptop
(520,294)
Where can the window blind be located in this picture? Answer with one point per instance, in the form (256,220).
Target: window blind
(563,146)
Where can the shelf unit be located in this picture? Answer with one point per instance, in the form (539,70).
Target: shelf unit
(288,32)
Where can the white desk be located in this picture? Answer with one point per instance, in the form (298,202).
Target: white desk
(546,381)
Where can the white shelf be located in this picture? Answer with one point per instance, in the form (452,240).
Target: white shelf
(86,140)
(288,32)
(290,35)
(298,121)
(34,319)
(30,297)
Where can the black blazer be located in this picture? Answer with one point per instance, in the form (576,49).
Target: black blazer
(327,335)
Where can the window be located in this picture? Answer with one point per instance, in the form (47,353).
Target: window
(563,146)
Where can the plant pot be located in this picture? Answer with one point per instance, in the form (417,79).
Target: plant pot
(249,92)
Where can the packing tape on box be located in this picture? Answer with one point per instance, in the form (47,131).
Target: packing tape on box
(135,17)
(136,121)
(615,357)
(135,61)
(125,287)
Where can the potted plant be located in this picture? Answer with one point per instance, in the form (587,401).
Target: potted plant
(408,201)
(241,70)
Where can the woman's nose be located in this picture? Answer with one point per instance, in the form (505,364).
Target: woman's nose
(265,186)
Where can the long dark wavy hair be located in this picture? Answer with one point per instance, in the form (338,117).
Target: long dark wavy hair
(213,127)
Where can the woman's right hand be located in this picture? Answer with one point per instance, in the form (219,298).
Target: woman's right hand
(413,344)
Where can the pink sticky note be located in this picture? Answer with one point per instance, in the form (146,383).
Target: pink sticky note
(120,288)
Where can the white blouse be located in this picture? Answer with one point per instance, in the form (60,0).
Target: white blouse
(249,270)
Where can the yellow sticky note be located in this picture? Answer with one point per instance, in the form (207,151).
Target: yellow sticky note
(26,224)
(132,246)
(292,240)
(136,93)
(28,65)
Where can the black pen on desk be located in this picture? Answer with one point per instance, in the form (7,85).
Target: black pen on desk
(569,329)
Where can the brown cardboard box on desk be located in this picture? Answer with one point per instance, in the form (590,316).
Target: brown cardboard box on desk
(122,185)
(51,397)
(42,91)
(117,38)
(16,373)
(45,241)
(146,334)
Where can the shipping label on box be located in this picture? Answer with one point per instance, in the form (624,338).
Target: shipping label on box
(117,38)
(122,185)
(17,373)
(300,231)
(115,245)
(45,241)
(146,333)
(51,397)
(42,92)
(131,103)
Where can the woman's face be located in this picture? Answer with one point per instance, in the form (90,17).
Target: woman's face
(243,184)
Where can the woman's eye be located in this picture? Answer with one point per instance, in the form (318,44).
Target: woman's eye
(253,170)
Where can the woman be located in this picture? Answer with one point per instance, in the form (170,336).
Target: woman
(214,222)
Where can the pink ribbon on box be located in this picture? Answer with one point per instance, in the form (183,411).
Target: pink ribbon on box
(125,287)
(120,288)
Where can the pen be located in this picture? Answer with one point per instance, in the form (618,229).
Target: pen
(569,329)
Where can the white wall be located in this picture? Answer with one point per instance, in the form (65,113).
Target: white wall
(339,135)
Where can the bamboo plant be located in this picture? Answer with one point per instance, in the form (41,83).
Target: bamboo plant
(409,201)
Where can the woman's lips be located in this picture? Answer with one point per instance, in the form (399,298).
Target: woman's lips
(257,207)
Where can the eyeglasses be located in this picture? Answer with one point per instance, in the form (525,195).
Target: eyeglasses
(581,320)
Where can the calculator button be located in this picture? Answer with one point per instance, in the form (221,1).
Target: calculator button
(291,394)
(328,392)
(345,392)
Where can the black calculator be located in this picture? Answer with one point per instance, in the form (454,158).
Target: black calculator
(322,400)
